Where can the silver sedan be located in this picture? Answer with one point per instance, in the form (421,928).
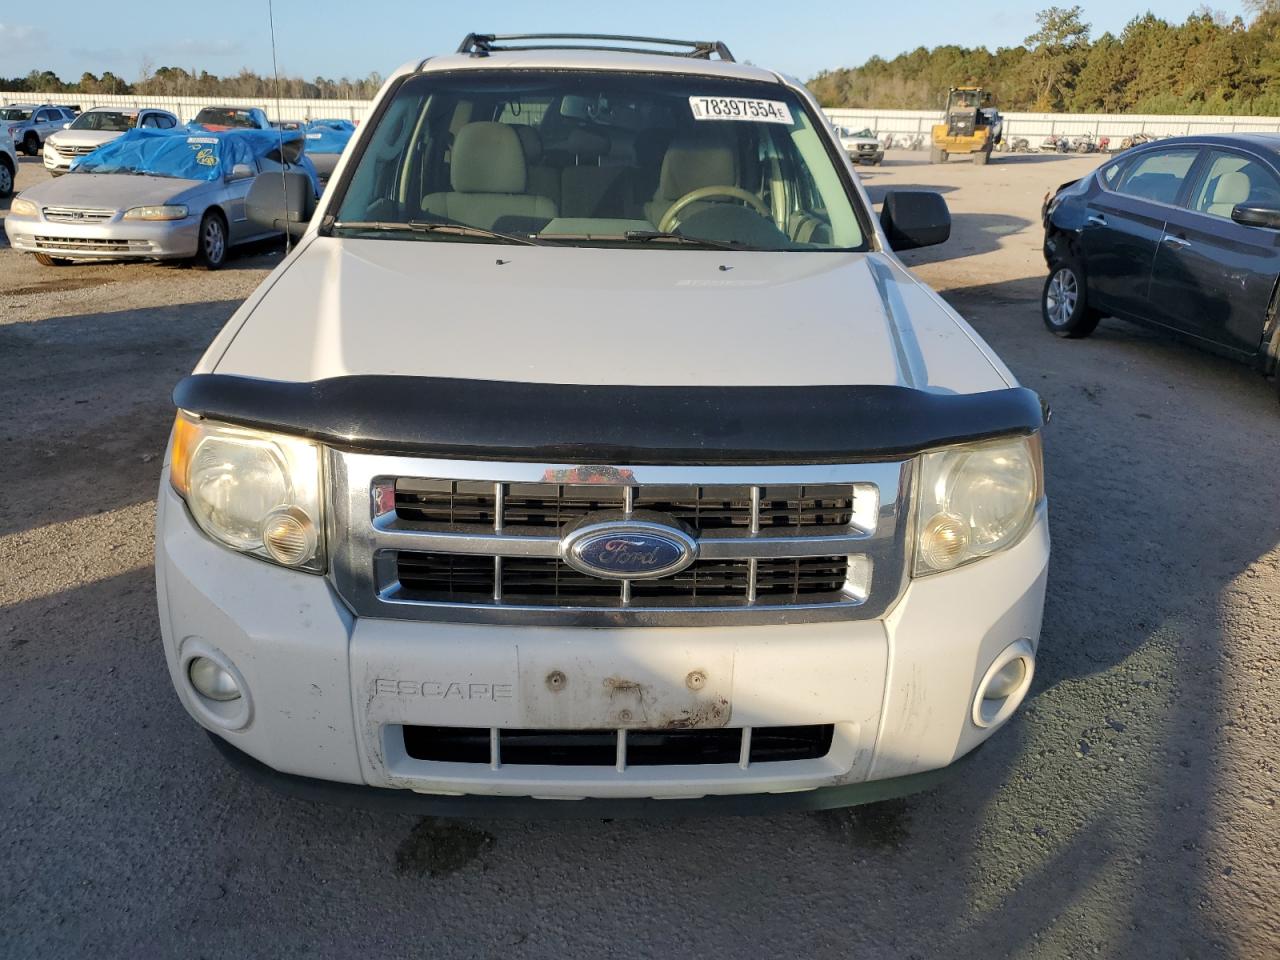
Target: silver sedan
(142,209)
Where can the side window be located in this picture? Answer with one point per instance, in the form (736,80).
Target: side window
(163,122)
(1232,178)
(150,120)
(44,116)
(1110,175)
(1159,175)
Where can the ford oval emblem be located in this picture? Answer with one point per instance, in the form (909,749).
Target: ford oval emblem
(628,550)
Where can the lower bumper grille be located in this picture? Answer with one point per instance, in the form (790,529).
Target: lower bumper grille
(612,748)
(95,245)
(539,581)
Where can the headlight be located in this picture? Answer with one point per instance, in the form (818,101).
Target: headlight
(975,500)
(259,493)
(174,211)
(24,208)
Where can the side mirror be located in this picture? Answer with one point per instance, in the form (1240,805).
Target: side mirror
(1256,215)
(67,125)
(241,171)
(281,201)
(915,218)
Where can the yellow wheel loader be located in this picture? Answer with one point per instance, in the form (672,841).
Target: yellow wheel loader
(972,125)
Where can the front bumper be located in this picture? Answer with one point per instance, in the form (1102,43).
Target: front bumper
(867,156)
(108,239)
(55,162)
(328,694)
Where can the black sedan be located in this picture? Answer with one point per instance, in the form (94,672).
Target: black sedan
(1180,234)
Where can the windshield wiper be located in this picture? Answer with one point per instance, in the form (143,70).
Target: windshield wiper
(427,226)
(660,236)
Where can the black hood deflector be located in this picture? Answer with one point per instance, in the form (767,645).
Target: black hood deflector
(616,425)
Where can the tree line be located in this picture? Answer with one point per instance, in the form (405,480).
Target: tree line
(1209,64)
(179,82)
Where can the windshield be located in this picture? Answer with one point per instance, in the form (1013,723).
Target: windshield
(221,118)
(600,158)
(15,113)
(110,120)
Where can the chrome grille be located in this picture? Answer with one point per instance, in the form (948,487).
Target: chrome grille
(549,581)
(76,150)
(481,542)
(77,214)
(462,504)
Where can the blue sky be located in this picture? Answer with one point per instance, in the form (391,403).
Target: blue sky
(331,38)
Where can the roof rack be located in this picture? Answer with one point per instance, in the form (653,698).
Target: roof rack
(483,44)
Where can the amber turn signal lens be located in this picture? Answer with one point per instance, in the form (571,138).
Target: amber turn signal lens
(186,434)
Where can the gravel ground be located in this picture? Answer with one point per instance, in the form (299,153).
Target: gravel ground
(1128,811)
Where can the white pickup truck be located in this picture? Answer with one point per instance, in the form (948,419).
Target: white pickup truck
(593,445)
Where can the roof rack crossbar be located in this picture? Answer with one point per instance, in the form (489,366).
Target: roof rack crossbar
(483,44)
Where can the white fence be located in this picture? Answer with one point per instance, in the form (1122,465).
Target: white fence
(187,107)
(1036,126)
(1033,126)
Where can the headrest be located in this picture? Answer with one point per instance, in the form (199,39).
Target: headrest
(530,142)
(1232,188)
(694,162)
(487,158)
(581,144)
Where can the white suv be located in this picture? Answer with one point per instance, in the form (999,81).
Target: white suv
(592,444)
(8,164)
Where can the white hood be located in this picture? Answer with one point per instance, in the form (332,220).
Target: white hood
(83,138)
(560,314)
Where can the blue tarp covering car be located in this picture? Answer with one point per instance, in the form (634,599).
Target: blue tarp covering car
(192,154)
(328,136)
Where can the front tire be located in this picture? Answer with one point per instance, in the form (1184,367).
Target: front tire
(982,158)
(937,156)
(1064,303)
(31,144)
(212,252)
(6,179)
(47,261)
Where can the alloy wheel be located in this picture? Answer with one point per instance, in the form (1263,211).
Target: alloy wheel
(1060,298)
(215,242)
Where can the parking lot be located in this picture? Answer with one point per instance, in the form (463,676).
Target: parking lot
(1129,810)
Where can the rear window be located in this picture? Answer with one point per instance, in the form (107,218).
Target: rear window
(219,118)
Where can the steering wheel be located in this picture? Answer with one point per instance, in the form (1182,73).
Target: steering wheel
(670,219)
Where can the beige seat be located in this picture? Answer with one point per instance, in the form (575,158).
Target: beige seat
(707,160)
(1231,188)
(489,180)
(541,180)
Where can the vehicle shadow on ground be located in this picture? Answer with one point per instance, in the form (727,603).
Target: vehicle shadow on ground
(971,234)
(85,404)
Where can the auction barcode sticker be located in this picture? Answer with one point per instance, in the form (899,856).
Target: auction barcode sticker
(740,108)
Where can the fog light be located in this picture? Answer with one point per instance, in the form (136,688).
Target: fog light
(1004,685)
(943,541)
(289,536)
(211,681)
(1007,680)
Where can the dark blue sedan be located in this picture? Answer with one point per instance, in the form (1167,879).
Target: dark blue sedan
(1180,234)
